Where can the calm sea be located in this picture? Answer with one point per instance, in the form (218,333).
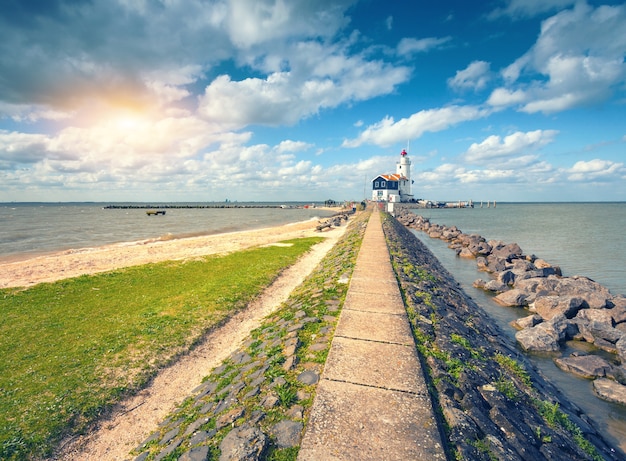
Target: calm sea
(583,238)
(30,229)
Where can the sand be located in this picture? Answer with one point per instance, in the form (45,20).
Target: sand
(72,263)
(134,419)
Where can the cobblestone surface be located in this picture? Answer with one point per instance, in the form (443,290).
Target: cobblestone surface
(255,404)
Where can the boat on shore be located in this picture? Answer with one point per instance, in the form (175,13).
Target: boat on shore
(155,212)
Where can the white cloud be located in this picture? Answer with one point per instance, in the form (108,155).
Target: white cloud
(495,149)
(387,131)
(597,170)
(501,97)
(292,146)
(474,77)
(410,46)
(518,9)
(253,22)
(321,77)
(574,62)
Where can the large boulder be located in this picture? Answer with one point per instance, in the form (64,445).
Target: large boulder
(585,366)
(508,252)
(609,390)
(551,306)
(526,322)
(598,324)
(511,298)
(592,292)
(540,338)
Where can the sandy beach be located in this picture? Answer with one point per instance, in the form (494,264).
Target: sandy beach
(72,263)
(134,418)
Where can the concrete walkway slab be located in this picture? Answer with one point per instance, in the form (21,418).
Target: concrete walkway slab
(372,401)
(389,303)
(388,366)
(357,324)
(351,422)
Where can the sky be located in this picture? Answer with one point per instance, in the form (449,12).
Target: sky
(308,100)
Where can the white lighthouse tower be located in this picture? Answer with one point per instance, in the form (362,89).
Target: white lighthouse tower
(403,170)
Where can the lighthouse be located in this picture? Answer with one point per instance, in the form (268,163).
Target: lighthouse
(394,187)
(403,170)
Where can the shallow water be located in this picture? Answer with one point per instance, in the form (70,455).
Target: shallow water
(583,239)
(30,229)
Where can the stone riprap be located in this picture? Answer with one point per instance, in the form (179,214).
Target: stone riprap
(254,405)
(493,402)
(560,308)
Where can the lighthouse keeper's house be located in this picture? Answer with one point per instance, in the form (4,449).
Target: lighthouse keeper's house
(395,187)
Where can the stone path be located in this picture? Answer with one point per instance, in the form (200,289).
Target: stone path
(372,402)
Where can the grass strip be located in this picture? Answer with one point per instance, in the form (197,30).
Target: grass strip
(72,348)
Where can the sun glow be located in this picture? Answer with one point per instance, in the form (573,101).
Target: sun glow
(128,122)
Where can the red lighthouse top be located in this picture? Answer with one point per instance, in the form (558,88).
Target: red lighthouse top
(403,153)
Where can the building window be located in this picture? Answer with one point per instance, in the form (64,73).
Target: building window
(382,184)
(376,184)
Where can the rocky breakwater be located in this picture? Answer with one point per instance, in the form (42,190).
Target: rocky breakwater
(492,402)
(560,308)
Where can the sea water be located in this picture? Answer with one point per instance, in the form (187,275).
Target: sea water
(582,238)
(31,229)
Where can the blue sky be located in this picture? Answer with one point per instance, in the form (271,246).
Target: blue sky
(268,100)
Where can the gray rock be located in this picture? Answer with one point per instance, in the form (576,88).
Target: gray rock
(480,284)
(508,252)
(481,263)
(609,390)
(229,417)
(512,298)
(244,443)
(195,454)
(496,286)
(506,277)
(551,306)
(585,366)
(287,433)
(620,345)
(540,338)
(592,292)
(527,322)
(269,401)
(308,377)
(618,313)
(565,328)
(595,324)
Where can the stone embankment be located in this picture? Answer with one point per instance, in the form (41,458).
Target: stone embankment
(490,402)
(254,405)
(560,308)
(494,405)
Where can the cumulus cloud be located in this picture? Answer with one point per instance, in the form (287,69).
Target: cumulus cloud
(387,131)
(474,77)
(597,170)
(323,77)
(58,53)
(519,144)
(573,63)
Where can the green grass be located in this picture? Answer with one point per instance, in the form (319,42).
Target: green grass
(72,348)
